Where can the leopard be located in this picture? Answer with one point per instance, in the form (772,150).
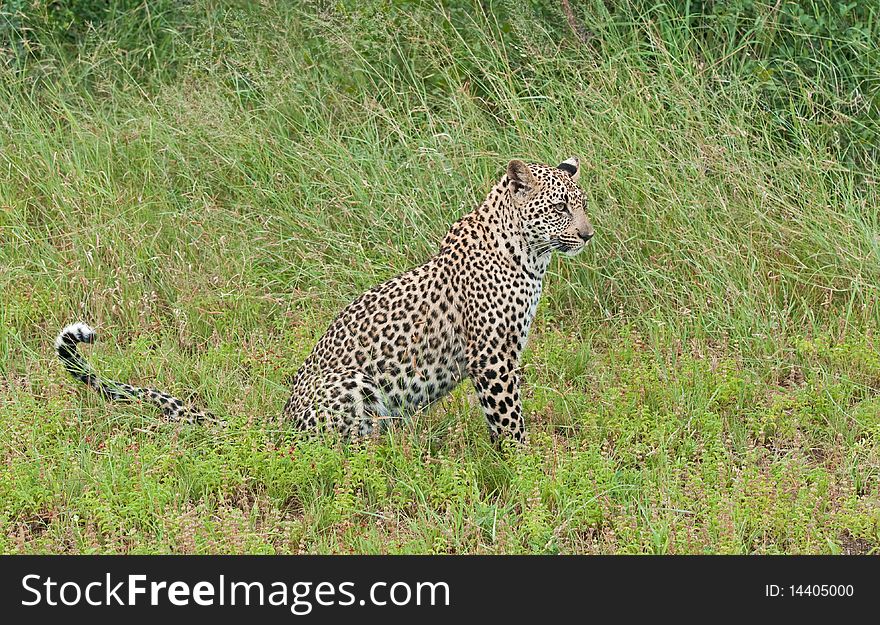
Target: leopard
(401,346)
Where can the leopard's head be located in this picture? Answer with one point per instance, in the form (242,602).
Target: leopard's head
(551,205)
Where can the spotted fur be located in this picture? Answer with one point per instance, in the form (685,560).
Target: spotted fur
(466,312)
(406,343)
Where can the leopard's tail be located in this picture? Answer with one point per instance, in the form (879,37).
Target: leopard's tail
(65,347)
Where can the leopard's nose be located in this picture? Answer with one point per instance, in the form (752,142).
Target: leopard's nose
(586,236)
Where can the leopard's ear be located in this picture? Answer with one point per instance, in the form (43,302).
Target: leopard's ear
(572,167)
(521,177)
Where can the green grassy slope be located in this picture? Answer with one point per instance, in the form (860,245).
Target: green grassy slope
(704,378)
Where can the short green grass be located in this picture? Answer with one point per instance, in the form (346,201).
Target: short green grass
(705,378)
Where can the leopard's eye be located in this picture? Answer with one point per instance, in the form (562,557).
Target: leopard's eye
(562,207)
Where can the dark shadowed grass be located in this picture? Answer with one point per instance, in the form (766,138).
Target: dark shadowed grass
(703,379)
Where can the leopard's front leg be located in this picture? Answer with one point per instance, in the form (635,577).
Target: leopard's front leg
(493,366)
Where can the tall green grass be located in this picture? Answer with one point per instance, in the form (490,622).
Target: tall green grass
(703,379)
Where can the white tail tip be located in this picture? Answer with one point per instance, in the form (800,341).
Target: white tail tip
(75,333)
